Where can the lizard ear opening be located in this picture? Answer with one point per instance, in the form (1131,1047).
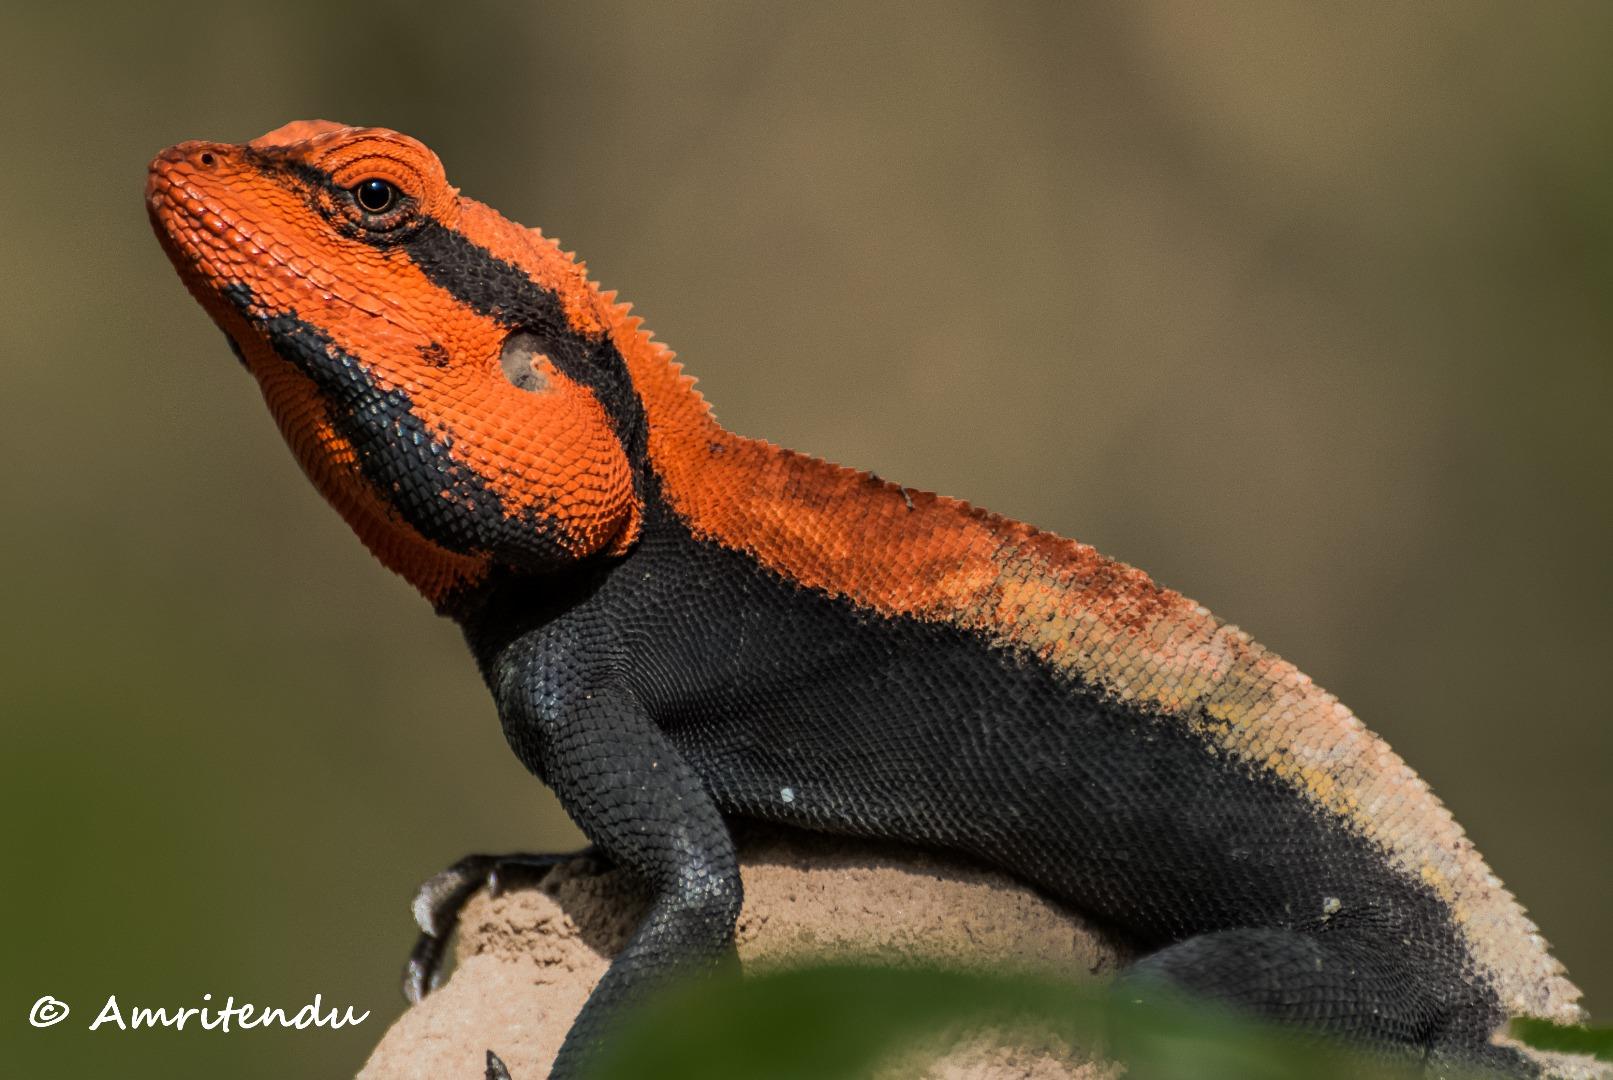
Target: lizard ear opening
(525,362)
(542,445)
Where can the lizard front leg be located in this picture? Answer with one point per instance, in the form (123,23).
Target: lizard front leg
(585,733)
(441,897)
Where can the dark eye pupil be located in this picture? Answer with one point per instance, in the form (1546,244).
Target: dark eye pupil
(375,195)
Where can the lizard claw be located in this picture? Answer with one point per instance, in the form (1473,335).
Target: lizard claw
(440,899)
(495,1068)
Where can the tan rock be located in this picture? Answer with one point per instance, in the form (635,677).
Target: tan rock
(529,957)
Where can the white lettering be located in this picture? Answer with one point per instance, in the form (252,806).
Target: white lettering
(110,1011)
(315,1014)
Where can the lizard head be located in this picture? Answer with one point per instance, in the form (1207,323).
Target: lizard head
(446,377)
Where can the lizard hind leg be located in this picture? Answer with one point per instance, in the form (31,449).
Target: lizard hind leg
(1356,987)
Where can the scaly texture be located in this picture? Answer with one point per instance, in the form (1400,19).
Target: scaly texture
(681,626)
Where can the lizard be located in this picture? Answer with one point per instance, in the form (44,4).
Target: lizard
(682,627)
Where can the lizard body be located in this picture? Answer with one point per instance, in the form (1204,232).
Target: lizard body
(681,626)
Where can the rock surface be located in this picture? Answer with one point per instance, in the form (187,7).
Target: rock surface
(529,957)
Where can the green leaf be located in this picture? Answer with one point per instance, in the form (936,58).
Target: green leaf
(1545,1035)
(821,1022)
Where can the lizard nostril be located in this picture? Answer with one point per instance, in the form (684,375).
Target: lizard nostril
(207,158)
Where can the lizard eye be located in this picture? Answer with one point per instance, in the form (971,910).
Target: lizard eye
(375,196)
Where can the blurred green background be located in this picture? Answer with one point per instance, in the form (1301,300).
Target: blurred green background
(1305,309)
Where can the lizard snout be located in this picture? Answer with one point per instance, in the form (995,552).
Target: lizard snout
(170,164)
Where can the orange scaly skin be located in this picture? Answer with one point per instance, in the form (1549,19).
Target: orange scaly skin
(681,625)
(578,472)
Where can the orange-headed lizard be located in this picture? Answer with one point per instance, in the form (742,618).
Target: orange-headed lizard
(681,627)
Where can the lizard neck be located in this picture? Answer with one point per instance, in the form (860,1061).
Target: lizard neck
(811,520)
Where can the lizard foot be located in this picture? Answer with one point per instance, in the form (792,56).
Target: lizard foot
(495,1068)
(440,899)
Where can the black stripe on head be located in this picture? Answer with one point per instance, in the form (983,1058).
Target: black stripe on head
(406,462)
(285,167)
(502,291)
(492,287)
(329,200)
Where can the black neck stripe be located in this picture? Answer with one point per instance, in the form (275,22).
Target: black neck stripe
(399,454)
